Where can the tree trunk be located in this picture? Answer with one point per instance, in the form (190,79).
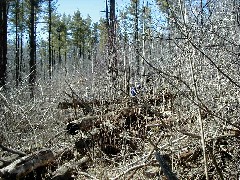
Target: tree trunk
(3,44)
(32,63)
(112,57)
(17,60)
(49,38)
(21,43)
(136,30)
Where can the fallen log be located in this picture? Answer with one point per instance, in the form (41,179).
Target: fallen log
(83,124)
(63,173)
(86,123)
(23,166)
(66,171)
(6,160)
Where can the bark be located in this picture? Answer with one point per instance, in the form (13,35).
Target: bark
(136,31)
(27,164)
(17,60)
(66,170)
(49,39)
(32,62)
(3,40)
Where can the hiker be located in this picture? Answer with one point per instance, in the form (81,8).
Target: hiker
(133,91)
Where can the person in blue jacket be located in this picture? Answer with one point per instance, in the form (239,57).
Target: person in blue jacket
(133,91)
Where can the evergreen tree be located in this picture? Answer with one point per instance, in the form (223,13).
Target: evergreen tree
(76,27)
(80,34)
(65,23)
(103,35)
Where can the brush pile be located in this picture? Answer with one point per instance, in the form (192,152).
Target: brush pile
(131,138)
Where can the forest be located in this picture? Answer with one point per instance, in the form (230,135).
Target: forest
(150,91)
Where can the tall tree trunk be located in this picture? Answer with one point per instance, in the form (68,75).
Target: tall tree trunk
(59,46)
(21,42)
(3,40)
(112,42)
(142,69)
(32,62)
(49,38)
(17,62)
(136,30)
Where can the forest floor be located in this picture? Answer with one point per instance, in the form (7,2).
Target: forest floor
(62,135)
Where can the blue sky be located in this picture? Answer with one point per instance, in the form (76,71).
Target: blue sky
(91,7)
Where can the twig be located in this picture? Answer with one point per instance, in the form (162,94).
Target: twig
(4,162)
(87,175)
(200,120)
(190,134)
(20,153)
(7,103)
(215,163)
(131,169)
(148,156)
(131,175)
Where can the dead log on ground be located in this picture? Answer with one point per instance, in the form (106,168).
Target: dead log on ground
(66,171)
(86,123)
(23,166)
